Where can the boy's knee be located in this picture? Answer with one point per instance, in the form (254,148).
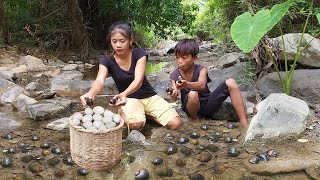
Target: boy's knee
(174,123)
(231,83)
(193,96)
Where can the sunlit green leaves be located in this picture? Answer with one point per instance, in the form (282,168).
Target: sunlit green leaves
(278,11)
(318,17)
(247,30)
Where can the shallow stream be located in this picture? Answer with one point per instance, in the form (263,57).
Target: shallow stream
(206,156)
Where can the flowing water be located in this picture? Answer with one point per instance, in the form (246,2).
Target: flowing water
(28,155)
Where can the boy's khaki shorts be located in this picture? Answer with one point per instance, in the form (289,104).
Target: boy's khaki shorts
(136,110)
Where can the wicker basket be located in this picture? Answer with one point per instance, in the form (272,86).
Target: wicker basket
(96,151)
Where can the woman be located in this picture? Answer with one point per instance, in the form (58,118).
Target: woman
(136,99)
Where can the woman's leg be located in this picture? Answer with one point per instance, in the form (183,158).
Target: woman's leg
(237,101)
(133,114)
(162,112)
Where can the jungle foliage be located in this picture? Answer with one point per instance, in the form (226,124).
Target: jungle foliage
(59,25)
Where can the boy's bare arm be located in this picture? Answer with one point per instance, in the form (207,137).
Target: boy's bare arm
(198,85)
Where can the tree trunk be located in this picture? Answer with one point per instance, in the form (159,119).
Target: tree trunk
(2,39)
(80,36)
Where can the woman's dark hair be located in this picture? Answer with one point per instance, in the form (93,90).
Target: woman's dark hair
(186,47)
(121,27)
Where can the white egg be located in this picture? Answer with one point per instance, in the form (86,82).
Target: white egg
(108,113)
(88,111)
(97,123)
(97,117)
(87,118)
(116,118)
(92,128)
(102,127)
(76,122)
(111,125)
(107,119)
(87,124)
(77,115)
(98,110)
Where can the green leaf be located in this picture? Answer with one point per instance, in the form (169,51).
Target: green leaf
(247,30)
(318,17)
(278,11)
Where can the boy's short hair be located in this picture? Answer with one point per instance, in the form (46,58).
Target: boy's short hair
(186,47)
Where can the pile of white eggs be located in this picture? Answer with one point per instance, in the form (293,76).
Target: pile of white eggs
(96,118)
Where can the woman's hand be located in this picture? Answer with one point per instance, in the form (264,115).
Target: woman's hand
(84,99)
(121,100)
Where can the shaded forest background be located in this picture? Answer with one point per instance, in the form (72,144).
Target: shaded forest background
(57,26)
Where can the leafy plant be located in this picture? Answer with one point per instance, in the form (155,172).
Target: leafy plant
(246,75)
(247,31)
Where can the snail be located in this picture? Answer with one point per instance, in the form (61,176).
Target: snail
(142,174)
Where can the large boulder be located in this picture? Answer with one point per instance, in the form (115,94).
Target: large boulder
(279,116)
(310,56)
(305,85)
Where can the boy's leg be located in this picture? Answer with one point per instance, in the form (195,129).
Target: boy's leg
(237,101)
(215,99)
(133,114)
(193,106)
(162,112)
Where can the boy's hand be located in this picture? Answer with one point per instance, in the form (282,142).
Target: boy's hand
(181,83)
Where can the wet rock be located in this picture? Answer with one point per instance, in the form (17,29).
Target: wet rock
(290,164)
(196,176)
(204,157)
(219,168)
(186,151)
(35,167)
(232,126)
(59,173)
(212,148)
(49,109)
(180,163)
(54,161)
(27,158)
(164,171)
(59,124)
(136,136)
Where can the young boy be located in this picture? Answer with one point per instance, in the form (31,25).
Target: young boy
(190,80)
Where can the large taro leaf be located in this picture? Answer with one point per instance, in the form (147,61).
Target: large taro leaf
(247,30)
(278,11)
